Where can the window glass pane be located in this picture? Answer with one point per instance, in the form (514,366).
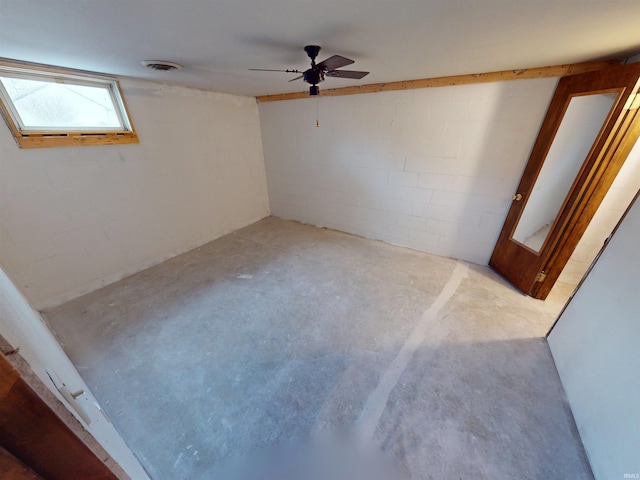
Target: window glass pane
(54,106)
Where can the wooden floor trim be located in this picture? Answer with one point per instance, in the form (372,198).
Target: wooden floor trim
(539,72)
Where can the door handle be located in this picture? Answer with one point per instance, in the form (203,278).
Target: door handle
(517,197)
(71,397)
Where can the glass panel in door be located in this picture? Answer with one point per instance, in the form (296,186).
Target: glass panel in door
(580,126)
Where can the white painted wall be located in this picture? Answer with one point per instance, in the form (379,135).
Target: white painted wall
(431,169)
(595,347)
(23,327)
(74,219)
(614,204)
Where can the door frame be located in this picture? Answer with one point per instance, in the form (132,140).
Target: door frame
(32,432)
(534,273)
(590,201)
(24,327)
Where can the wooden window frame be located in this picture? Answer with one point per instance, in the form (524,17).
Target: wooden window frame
(66,138)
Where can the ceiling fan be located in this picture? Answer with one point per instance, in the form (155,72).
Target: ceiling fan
(318,71)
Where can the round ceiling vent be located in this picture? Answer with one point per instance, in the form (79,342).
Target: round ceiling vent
(161,65)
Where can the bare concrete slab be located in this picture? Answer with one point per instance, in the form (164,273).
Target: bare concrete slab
(289,351)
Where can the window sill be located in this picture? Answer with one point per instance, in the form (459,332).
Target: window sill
(46,140)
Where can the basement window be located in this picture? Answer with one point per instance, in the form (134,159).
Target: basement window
(44,107)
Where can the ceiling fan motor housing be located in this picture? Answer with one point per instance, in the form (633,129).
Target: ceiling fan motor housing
(313,75)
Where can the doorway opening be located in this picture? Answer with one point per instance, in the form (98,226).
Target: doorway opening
(620,195)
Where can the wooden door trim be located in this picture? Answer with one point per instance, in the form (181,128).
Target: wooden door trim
(509,252)
(594,193)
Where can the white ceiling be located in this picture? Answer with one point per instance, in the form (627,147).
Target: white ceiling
(217,41)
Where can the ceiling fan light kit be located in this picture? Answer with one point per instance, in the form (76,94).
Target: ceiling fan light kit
(317,73)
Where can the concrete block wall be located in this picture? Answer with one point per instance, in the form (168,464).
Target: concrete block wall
(74,219)
(431,169)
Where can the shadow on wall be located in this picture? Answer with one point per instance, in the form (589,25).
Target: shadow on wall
(495,152)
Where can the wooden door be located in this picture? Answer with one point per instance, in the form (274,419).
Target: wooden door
(13,469)
(32,433)
(589,129)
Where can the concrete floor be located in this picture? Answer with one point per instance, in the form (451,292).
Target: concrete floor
(286,351)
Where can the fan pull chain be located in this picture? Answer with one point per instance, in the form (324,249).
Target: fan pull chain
(317,112)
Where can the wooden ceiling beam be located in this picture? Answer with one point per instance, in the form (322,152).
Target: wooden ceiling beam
(501,76)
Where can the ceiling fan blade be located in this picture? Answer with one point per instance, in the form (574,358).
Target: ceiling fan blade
(269,70)
(347,74)
(334,62)
(297,78)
